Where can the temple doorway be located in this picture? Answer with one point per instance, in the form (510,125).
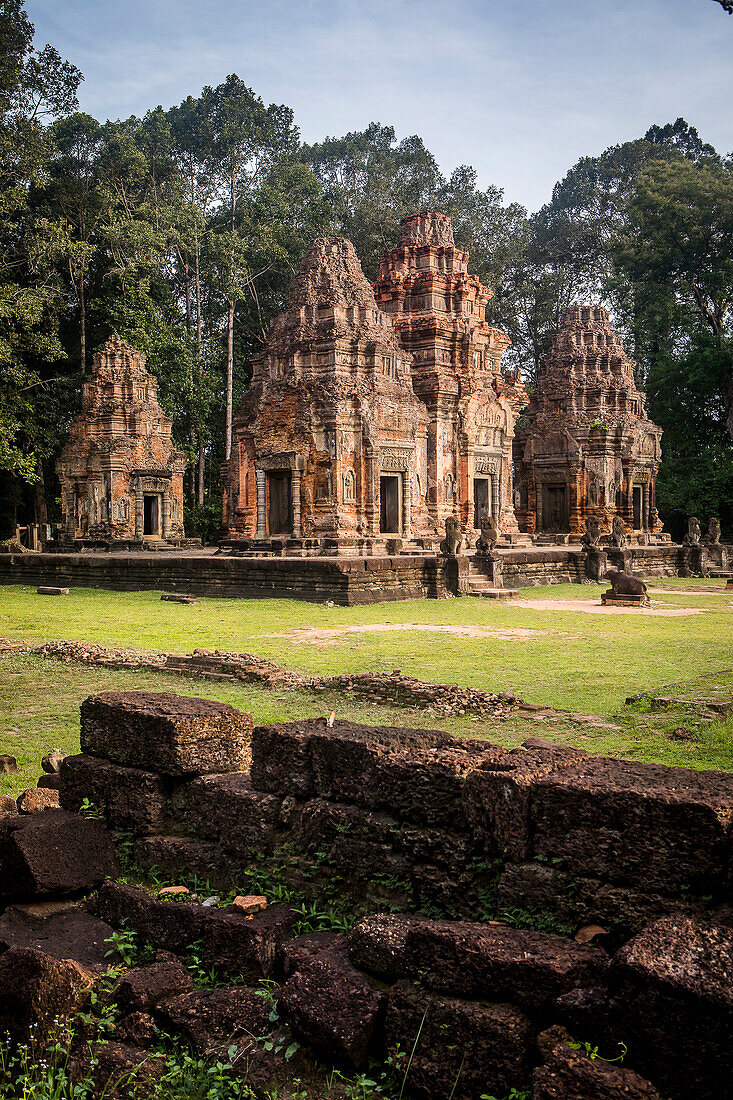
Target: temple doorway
(555,513)
(637,507)
(481,505)
(389,505)
(151,514)
(280,514)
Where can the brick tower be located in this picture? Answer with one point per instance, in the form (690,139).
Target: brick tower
(438,310)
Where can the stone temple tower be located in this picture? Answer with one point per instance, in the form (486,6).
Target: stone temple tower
(329,443)
(438,311)
(121,474)
(589,448)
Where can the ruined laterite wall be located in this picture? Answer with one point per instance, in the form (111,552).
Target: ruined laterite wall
(461,825)
(545,836)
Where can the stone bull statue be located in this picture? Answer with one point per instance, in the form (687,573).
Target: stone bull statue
(623,584)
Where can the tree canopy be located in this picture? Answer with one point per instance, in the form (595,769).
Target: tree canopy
(180,230)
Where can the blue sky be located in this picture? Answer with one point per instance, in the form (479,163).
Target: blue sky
(518,88)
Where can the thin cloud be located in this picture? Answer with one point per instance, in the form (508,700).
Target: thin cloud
(519,90)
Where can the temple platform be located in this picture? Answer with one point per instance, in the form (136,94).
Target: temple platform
(344,580)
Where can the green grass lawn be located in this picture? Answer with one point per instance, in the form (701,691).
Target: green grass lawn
(567,659)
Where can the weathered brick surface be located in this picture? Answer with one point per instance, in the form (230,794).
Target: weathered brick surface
(36,990)
(172,856)
(281,760)
(229,809)
(131,1073)
(489,1047)
(570,1074)
(541,889)
(168,924)
(497,797)
(51,853)
(237,944)
(129,798)
(69,933)
(672,995)
(646,825)
(333,1008)
(346,758)
(142,987)
(470,959)
(170,734)
(223,1015)
(309,757)
(426,785)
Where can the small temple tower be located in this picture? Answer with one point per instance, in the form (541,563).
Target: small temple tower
(589,448)
(329,443)
(439,312)
(121,475)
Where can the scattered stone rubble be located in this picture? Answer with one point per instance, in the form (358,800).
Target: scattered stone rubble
(642,850)
(393,688)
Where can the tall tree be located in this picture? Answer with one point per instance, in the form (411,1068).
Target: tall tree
(371,181)
(249,139)
(35,88)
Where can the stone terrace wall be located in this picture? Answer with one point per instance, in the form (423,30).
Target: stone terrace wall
(463,828)
(427,821)
(346,581)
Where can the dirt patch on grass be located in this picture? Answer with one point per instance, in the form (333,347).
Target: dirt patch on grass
(593,608)
(330,635)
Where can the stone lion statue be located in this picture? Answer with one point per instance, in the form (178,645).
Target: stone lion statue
(624,584)
(453,541)
(692,538)
(592,535)
(618,532)
(713,535)
(489,536)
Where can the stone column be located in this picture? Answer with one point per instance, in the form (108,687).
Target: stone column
(495,503)
(261,504)
(139,514)
(295,484)
(165,519)
(406,504)
(575,503)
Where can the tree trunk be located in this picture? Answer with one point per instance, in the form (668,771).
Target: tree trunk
(82,326)
(230,320)
(200,485)
(40,509)
(230,379)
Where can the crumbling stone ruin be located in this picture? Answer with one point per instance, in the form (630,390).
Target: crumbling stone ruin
(589,448)
(121,476)
(439,313)
(330,442)
(370,420)
(517,909)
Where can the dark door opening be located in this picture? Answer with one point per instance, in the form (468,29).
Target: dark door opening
(555,516)
(151,514)
(389,505)
(637,507)
(281,503)
(481,510)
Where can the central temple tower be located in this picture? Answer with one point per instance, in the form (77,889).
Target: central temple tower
(438,311)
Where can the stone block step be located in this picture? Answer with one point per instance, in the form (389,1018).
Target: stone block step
(49,590)
(494,593)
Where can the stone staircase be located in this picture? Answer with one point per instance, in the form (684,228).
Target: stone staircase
(480,585)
